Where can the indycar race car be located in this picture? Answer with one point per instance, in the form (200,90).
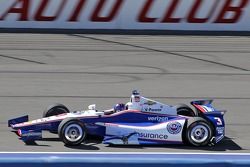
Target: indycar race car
(140,121)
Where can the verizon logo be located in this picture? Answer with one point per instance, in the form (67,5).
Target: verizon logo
(158,119)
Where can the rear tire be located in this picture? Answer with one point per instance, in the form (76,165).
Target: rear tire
(72,131)
(55,109)
(199,132)
(185,110)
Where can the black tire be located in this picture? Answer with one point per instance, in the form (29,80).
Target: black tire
(199,132)
(185,110)
(72,132)
(55,109)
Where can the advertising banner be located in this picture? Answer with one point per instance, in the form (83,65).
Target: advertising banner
(211,15)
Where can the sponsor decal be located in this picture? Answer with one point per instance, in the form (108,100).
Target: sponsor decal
(150,103)
(219,138)
(208,109)
(41,120)
(31,134)
(158,119)
(174,127)
(29,122)
(153,136)
(125,139)
(63,114)
(153,109)
(220,130)
(218,121)
(27,134)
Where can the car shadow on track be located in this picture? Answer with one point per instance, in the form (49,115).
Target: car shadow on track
(226,144)
(83,147)
(88,145)
(93,143)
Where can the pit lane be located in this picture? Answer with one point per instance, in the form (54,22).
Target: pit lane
(37,70)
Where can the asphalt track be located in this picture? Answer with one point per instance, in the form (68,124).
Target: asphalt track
(37,70)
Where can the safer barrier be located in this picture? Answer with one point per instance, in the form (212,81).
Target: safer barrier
(123,160)
(155,15)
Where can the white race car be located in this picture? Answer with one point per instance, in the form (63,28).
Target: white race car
(140,121)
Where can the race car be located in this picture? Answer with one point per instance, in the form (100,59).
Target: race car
(141,121)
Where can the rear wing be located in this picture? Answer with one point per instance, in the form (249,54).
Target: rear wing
(204,105)
(18,120)
(212,115)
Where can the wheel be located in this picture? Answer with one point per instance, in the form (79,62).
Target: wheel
(72,131)
(185,110)
(55,109)
(199,132)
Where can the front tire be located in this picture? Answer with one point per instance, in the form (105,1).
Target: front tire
(72,131)
(55,109)
(199,132)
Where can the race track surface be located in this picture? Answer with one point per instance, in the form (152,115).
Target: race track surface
(37,70)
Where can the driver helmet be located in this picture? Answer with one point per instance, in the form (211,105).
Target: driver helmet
(119,107)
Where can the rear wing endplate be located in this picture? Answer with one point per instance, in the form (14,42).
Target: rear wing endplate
(18,120)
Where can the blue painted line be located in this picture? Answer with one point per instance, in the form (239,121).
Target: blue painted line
(122,160)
